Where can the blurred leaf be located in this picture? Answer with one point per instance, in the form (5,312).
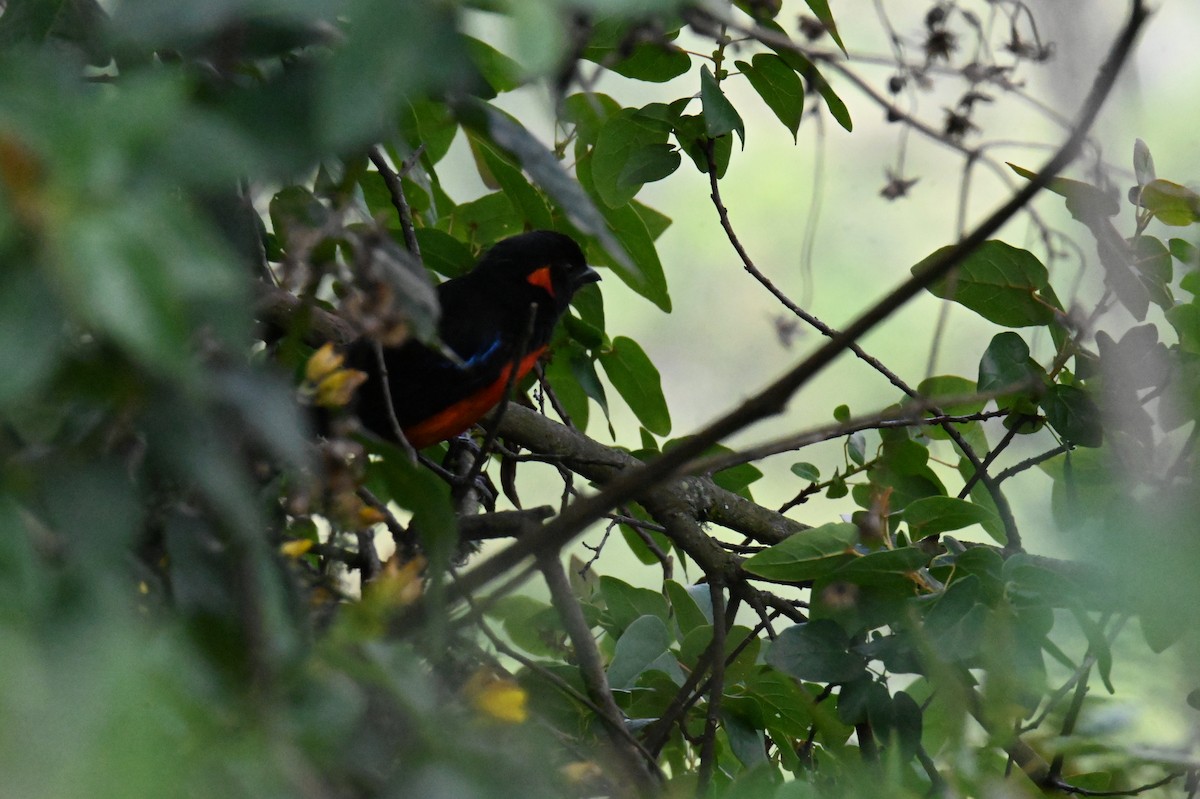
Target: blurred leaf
(1085,201)
(1143,163)
(38,22)
(443,253)
(544,169)
(999,282)
(806,555)
(954,626)
(720,117)
(426,122)
(1171,203)
(514,185)
(642,646)
(637,381)
(29,349)
(779,86)
(817,651)
(1185,318)
(615,44)
(501,72)
(1185,252)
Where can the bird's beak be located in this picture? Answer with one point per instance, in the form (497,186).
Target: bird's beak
(583,277)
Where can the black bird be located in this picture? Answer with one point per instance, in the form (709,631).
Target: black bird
(486,322)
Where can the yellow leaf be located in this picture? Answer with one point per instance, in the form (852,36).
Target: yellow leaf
(497,697)
(368,516)
(295,548)
(399,584)
(336,389)
(581,771)
(323,363)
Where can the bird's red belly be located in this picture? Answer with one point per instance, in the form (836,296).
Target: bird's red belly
(456,418)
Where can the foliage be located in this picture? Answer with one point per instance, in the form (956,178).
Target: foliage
(194,197)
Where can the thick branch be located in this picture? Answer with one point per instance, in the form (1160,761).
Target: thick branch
(772,400)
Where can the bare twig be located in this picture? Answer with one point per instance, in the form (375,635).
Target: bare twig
(772,399)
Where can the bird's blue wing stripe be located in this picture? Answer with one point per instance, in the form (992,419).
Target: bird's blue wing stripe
(482,355)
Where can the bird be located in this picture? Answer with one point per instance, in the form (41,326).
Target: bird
(498,316)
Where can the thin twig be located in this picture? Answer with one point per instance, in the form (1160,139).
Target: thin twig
(640,766)
(716,591)
(396,190)
(772,399)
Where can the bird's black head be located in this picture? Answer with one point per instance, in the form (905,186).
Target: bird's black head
(550,264)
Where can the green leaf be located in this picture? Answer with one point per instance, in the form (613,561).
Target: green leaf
(1185,252)
(1006,365)
(779,87)
(938,514)
(805,69)
(856,448)
(1143,163)
(649,164)
(806,555)
(841,414)
(626,139)
(29,349)
(818,651)
(560,374)
(501,72)
(588,111)
(82,23)
(690,132)
(488,218)
(654,62)
(720,117)
(1072,413)
(999,282)
(531,623)
(1185,318)
(955,625)
(1085,201)
(689,608)
(1152,260)
(627,224)
(425,122)
(509,179)
(1171,203)
(644,646)
(820,9)
(883,567)
(936,389)
(544,169)
(443,253)
(636,379)
(626,603)
(806,471)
